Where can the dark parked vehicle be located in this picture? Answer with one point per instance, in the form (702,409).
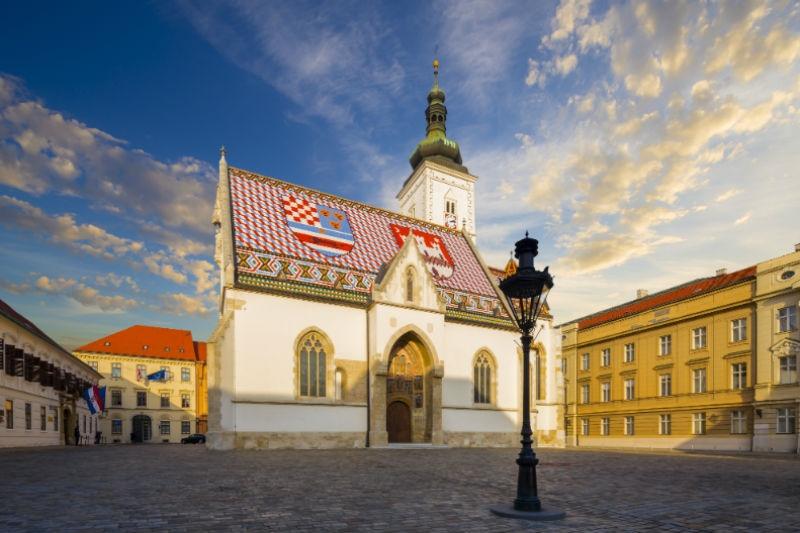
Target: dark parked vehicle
(197,438)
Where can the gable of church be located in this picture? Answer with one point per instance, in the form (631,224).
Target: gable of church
(407,280)
(295,240)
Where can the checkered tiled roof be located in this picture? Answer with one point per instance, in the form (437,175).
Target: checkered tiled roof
(259,222)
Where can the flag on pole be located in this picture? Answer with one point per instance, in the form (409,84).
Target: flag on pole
(94,399)
(161,375)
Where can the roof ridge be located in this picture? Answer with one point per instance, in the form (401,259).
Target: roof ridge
(349,201)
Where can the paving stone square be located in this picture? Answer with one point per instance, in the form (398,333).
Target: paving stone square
(188,488)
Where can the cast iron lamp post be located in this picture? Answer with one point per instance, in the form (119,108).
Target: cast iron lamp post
(526,291)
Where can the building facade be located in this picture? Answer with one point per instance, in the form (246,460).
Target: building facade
(141,410)
(345,325)
(777,390)
(41,388)
(668,370)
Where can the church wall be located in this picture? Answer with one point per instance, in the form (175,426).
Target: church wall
(301,418)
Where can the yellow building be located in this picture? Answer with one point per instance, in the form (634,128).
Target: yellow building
(668,370)
(777,391)
(142,410)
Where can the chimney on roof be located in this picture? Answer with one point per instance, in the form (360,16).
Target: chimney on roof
(641,293)
(722,271)
(797,247)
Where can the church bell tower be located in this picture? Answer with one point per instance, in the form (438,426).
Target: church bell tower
(440,188)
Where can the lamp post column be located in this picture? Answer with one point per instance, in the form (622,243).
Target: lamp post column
(527,494)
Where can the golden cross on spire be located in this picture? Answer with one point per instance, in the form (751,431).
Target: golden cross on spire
(436,72)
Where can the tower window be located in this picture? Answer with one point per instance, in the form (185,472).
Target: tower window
(450,206)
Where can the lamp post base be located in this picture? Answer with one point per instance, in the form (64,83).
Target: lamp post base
(508,511)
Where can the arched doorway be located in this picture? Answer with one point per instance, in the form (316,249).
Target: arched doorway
(410,384)
(142,429)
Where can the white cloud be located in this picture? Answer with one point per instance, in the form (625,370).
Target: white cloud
(184,304)
(85,295)
(566,64)
(727,195)
(743,219)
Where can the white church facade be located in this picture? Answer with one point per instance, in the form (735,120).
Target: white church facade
(346,325)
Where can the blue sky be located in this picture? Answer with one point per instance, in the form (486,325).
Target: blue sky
(644,144)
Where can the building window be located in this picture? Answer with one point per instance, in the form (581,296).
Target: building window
(116,370)
(699,380)
(141,372)
(788,369)
(584,426)
(164,400)
(605,357)
(313,360)
(629,389)
(482,379)
(185,403)
(630,353)
(787,319)
(739,375)
(93,364)
(604,426)
(116,426)
(186,427)
(699,423)
(786,420)
(410,285)
(605,391)
(585,361)
(54,414)
(699,338)
(43,418)
(28,416)
(665,424)
(167,373)
(629,428)
(163,427)
(665,345)
(738,329)
(141,398)
(665,384)
(585,393)
(116,398)
(738,422)
(450,207)
(186,374)
(9,414)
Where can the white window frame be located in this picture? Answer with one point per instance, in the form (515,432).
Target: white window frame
(113,424)
(161,425)
(665,424)
(630,426)
(188,397)
(114,392)
(738,376)
(630,389)
(584,427)
(186,423)
(787,369)
(605,391)
(585,393)
(698,423)
(116,370)
(605,357)
(787,421)
(665,385)
(738,422)
(699,338)
(585,361)
(604,426)
(699,384)
(787,319)
(186,374)
(738,329)
(664,345)
(630,353)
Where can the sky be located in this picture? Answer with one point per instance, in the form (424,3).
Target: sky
(644,144)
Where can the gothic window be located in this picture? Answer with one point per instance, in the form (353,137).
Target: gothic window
(410,285)
(483,370)
(312,354)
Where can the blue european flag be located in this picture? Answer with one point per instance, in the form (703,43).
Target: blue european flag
(161,375)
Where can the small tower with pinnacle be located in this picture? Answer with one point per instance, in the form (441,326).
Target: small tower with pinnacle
(440,188)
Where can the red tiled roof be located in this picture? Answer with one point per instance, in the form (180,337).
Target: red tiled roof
(149,341)
(668,296)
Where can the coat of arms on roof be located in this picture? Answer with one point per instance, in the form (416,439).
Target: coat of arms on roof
(321,228)
(439,262)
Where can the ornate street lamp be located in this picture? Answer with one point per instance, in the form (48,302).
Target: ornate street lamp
(527,291)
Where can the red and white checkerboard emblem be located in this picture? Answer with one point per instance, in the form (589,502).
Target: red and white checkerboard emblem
(320,227)
(439,262)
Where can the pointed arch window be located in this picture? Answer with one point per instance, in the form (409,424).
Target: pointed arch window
(410,285)
(313,354)
(483,374)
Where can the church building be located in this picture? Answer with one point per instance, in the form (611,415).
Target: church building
(347,325)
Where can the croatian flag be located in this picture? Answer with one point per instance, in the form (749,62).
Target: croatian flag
(161,375)
(95,398)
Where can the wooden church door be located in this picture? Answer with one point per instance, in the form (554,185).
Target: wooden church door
(398,422)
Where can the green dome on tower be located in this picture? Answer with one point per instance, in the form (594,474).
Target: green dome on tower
(436,146)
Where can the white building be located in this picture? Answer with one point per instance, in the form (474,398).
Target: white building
(337,330)
(41,387)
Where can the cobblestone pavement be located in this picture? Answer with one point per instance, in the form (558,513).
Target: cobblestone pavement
(188,488)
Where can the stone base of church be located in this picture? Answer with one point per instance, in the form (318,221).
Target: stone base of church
(277,440)
(475,439)
(551,438)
